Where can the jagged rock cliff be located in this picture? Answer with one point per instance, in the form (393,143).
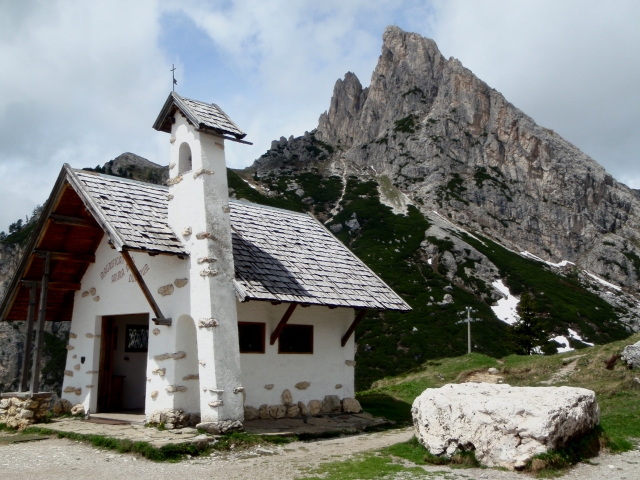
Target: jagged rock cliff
(12,334)
(451,143)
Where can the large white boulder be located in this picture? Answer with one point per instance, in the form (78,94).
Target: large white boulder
(506,426)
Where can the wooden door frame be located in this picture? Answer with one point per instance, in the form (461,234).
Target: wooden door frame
(106,364)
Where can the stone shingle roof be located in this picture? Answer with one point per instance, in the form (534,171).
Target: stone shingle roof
(279,255)
(202,115)
(291,257)
(136,212)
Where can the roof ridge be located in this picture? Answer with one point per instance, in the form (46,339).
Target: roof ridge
(122,179)
(268,207)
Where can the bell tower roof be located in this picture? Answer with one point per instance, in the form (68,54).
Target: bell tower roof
(207,117)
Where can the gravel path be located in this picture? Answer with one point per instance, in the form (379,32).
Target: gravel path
(64,459)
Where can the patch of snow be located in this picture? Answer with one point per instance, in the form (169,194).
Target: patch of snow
(505,310)
(564,341)
(373,169)
(603,282)
(252,186)
(563,263)
(561,339)
(430,261)
(573,334)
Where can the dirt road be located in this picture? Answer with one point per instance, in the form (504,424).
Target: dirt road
(64,459)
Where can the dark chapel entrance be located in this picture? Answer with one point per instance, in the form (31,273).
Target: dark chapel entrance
(123,363)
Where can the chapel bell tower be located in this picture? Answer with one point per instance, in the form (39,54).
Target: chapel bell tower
(199,209)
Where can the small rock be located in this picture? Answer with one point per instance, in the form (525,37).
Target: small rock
(286,398)
(165,290)
(263,412)
(336,227)
(351,405)
(277,411)
(448,299)
(78,409)
(493,371)
(269,386)
(293,411)
(251,413)
(304,411)
(352,224)
(631,355)
(302,385)
(61,406)
(331,404)
(314,407)
(180,282)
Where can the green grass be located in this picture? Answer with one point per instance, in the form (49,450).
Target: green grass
(363,467)
(386,463)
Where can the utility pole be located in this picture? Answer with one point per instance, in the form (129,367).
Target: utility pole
(468,321)
(469,329)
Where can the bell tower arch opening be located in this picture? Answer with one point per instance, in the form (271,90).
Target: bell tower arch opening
(185,163)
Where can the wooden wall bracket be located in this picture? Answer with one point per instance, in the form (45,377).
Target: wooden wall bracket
(356,321)
(285,318)
(160,320)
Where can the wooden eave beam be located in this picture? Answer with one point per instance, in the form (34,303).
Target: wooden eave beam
(68,256)
(285,318)
(72,221)
(160,320)
(352,328)
(54,285)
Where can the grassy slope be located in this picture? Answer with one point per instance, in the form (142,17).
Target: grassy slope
(390,245)
(617,392)
(564,301)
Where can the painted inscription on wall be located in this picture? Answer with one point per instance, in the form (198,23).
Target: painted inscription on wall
(121,270)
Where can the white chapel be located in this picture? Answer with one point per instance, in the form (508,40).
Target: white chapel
(186,305)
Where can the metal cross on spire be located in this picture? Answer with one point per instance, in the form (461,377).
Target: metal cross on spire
(173,75)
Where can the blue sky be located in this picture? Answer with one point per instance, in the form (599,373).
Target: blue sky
(83,82)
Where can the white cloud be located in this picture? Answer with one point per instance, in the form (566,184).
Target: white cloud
(81,82)
(291,54)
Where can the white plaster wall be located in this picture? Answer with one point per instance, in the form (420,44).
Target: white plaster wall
(117,293)
(186,341)
(323,369)
(199,203)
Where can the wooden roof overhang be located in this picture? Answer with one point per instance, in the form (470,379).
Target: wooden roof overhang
(70,233)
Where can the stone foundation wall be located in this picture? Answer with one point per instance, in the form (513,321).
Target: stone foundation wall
(173,418)
(331,404)
(21,410)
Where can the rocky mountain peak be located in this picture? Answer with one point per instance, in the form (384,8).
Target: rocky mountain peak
(451,143)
